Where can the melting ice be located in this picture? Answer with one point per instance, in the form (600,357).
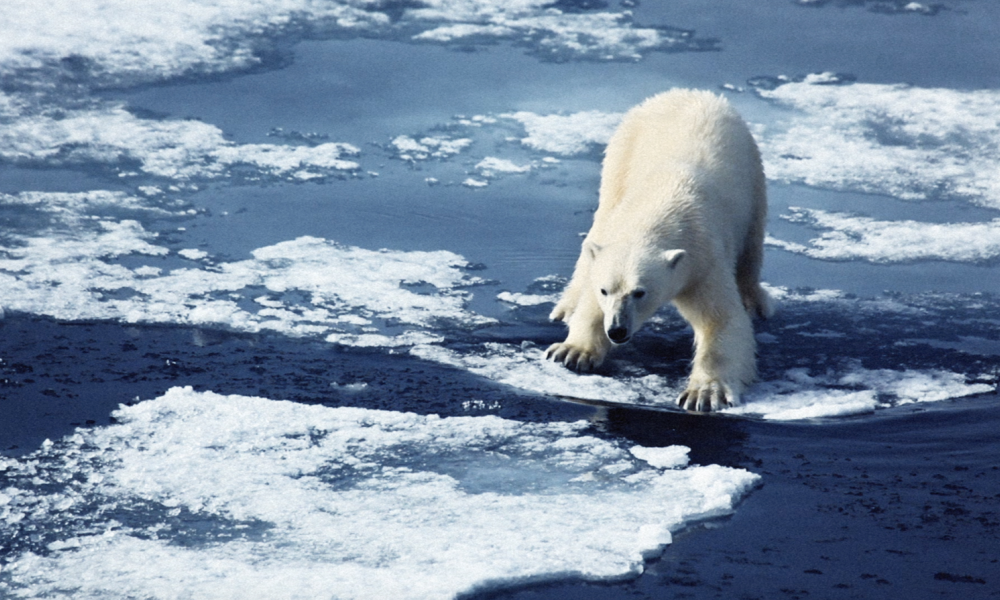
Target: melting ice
(198,494)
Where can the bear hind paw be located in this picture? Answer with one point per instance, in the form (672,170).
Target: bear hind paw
(575,357)
(710,396)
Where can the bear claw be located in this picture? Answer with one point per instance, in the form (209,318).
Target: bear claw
(708,397)
(573,357)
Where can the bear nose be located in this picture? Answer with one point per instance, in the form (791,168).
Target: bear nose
(618,335)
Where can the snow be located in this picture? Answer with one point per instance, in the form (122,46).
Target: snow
(554,33)
(64,272)
(566,135)
(491,164)
(193,253)
(853,237)
(175,149)
(671,457)
(909,142)
(796,395)
(519,299)
(526,368)
(286,500)
(126,41)
(428,147)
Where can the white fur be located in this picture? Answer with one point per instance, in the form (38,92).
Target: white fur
(681,219)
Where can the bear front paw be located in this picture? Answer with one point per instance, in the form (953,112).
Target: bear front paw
(708,396)
(575,357)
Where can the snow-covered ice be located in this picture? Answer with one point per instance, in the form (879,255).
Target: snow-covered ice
(284,500)
(569,134)
(64,273)
(854,237)
(904,141)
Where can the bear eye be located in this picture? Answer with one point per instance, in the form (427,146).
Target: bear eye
(604,292)
(638,294)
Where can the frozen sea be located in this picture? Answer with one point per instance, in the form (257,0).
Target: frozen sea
(275,278)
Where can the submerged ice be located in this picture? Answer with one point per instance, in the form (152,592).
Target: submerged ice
(281,500)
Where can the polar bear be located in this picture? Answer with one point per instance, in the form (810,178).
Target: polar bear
(681,219)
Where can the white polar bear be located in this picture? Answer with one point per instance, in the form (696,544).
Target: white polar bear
(681,219)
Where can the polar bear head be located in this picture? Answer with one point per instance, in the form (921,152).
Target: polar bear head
(631,282)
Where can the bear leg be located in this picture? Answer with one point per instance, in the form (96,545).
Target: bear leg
(586,344)
(567,304)
(725,354)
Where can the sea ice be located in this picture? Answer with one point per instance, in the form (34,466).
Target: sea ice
(899,140)
(119,41)
(64,272)
(567,135)
(492,165)
(195,494)
(853,237)
(171,148)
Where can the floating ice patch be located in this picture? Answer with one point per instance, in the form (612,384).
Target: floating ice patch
(492,165)
(567,135)
(527,369)
(548,31)
(128,42)
(908,142)
(313,286)
(797,395)
(852,237)
(519,299)
(176,149)
(119,41)
(193,253)
(890,7)
(410,149)
(473,183)
(209,496)
(854,391)
(672,457)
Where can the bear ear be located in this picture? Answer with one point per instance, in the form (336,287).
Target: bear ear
(591,248)
(673,257)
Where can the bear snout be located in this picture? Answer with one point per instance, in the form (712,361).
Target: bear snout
(618,335)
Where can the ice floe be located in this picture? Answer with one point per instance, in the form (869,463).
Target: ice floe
(853,237)
(410,149)
(492,165)
(904,141)
(177,149)
(67,272)
(568,134)
(794,395)
(286,500)
(121,42)
(548,31)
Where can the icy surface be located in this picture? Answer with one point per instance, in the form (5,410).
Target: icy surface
(174,149)
(119,39)
(908,142)
(65,273)
(794,395)
(853,237)
(290,501)
(566,134)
